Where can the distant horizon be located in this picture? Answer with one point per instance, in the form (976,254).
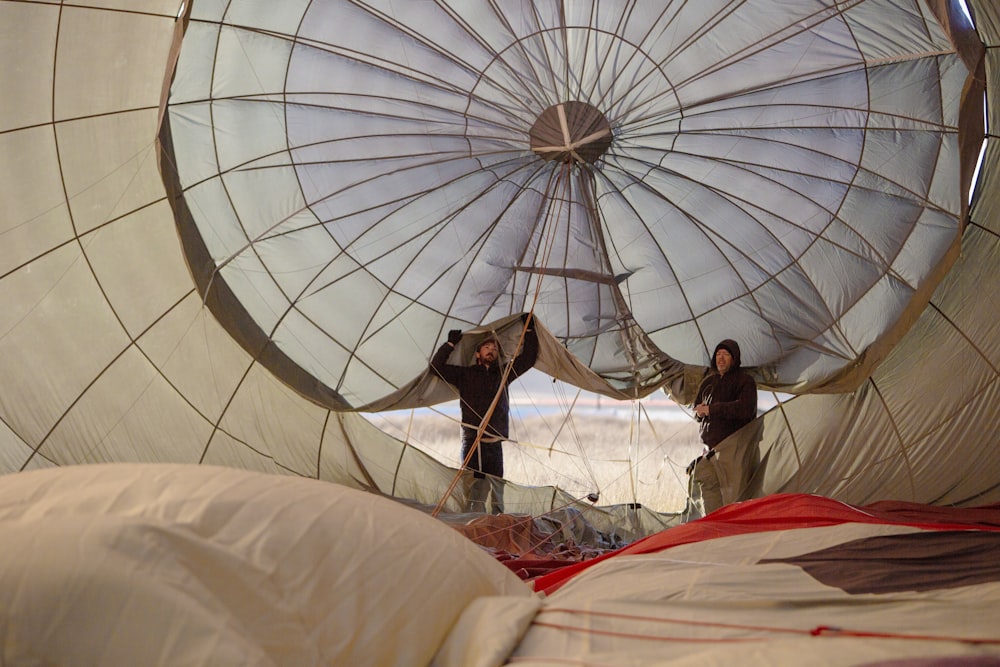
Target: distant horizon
(538,393)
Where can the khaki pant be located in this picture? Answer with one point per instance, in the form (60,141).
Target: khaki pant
(484,494)
(727,476)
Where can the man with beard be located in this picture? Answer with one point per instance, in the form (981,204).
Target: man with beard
(478,385)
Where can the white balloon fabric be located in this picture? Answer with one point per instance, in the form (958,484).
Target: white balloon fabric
(353,179)
(108,353)
(157,564)
(783,580)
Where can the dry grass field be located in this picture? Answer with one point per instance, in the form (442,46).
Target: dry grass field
(624,459)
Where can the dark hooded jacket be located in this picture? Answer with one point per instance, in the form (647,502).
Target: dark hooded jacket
(731,398)
(478,384)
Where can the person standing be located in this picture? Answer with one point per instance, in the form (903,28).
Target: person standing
(478,385)
(726,402)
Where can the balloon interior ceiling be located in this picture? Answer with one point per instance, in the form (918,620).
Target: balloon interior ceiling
(226,226)
(353,179)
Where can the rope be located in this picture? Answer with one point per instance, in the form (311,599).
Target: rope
(567,420)
(818,631)
(531,519)
(560,179)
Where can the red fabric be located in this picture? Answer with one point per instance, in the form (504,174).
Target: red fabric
(786,512)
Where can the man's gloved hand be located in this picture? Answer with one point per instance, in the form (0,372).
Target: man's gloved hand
(454,336)
(690,468)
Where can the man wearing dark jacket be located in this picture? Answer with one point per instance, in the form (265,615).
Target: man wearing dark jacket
(478,385)
(726,402)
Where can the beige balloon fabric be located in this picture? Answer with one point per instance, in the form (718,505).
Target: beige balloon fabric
(167,564)
(179,283)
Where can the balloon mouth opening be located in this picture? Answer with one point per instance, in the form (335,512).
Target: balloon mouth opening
(573,132)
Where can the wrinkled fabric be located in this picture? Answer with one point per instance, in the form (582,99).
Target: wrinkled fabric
(165,565)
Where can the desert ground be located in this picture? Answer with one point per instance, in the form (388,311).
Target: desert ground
(626,458)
